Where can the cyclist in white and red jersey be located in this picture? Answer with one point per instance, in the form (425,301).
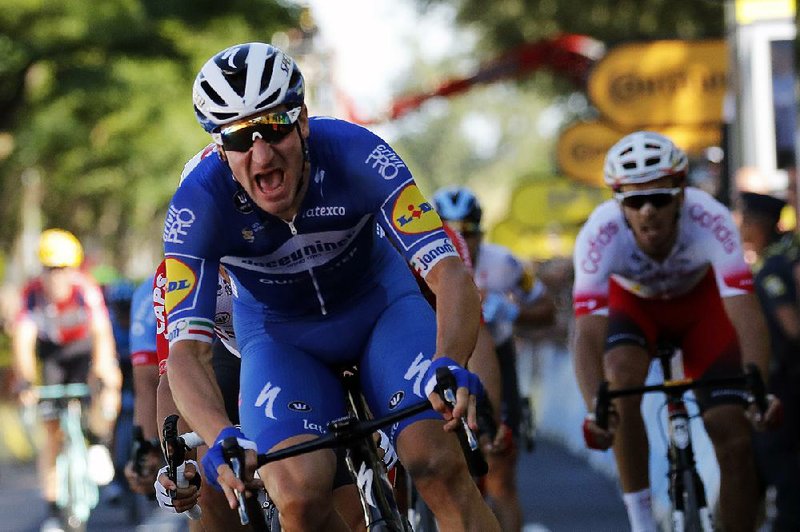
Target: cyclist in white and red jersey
(62,332)
(663,261)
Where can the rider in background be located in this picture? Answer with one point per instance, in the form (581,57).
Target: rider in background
(510,295)
(777,271)
(62,335)
(118,296)
(144,362)
(663,260)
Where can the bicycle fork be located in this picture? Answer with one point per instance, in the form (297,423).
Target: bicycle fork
(690,509)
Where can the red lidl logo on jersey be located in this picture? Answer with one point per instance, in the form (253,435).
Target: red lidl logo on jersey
(181,282)
(412,213)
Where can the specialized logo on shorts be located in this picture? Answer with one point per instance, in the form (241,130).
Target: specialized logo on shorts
(416,371)
(412,213)
(386,161)
(267,399)
(182,281)
(299,406)
(177,224)
(396,399)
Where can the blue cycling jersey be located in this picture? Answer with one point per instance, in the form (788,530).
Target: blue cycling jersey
(333,251)
(143,319)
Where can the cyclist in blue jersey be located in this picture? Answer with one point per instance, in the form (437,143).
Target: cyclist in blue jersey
(305,214)
(145,381)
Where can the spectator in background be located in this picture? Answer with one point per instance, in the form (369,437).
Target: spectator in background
(777,270)
(63,331)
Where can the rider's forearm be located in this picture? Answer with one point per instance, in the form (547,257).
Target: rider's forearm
(748,320)
(485,365)
(194,388)
(23,347)
(104,352)
(457,309)
(145,383)
(588,350)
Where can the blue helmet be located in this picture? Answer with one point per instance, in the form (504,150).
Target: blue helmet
(119,292)
(244,80)
(457,204)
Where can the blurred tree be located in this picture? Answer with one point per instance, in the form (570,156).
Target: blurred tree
(504,24)
(96,97)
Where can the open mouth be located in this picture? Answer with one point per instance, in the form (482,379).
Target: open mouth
(270,182)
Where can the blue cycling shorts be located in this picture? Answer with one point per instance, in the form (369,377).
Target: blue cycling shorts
(290,384)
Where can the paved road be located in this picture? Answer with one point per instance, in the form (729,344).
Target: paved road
(560,492)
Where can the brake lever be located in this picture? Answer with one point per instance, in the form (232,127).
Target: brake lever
(233,454)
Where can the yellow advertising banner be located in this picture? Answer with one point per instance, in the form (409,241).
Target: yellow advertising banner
(540,204)
(582,147)
(671,82)
(527,243)
(750,11)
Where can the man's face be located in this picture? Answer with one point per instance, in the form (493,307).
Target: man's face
(267,164)
(651,210)
(472,234)
(57,283)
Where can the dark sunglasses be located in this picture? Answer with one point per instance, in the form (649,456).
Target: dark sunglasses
(271,128)
(657,197)
(464,227)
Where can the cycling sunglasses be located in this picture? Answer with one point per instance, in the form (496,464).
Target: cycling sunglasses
(657,197)
(271,128)
(464,227)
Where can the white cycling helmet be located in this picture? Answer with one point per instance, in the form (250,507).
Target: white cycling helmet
(243,80)
(642,157)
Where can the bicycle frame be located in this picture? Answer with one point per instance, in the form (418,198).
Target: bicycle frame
(369,471)
(77,492)
(686,490)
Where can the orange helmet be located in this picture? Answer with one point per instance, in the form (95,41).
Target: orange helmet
(59,249)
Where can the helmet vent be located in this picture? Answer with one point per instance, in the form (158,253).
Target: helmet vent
(266,74)
(652,161)
(224,116)
(211,93)
(629,166)
(268,100)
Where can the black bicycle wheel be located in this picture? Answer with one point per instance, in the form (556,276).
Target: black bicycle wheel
(693,503)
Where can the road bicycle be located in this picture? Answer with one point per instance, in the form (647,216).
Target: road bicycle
(690,512)
(353,433)
(77,493)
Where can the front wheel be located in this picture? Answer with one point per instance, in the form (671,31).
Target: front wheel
(695,516)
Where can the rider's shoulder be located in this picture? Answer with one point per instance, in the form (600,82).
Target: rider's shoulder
(203,167)
(606,214)
(698,201)
(495,252)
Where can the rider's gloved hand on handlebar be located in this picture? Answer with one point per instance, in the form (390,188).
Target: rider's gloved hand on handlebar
(186,498)
(595,436)
(771,419)
(469,388)
(214,464)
